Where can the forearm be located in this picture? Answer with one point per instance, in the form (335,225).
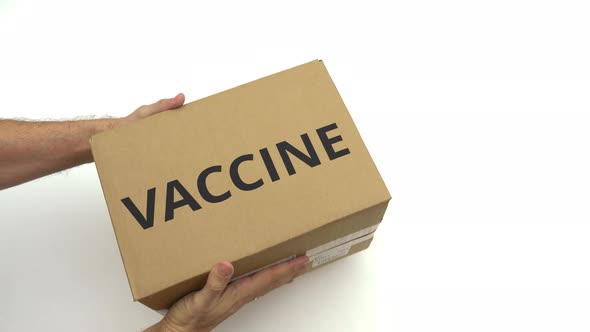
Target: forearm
(29,150)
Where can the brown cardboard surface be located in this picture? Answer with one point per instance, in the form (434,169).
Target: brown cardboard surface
(251,228)
(295,246)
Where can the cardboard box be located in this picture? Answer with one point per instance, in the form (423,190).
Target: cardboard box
(256,174)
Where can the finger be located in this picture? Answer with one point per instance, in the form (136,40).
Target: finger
(264,281)
(300,272)
(162,105)
(216,282)
(168,104)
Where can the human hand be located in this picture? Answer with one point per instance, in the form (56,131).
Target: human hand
(157,107)
(32,149)
(205,309)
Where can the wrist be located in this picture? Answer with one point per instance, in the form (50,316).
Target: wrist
(94,127)
(100,125)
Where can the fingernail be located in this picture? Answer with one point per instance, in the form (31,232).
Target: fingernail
(301,261)
(225,270)
(302,268)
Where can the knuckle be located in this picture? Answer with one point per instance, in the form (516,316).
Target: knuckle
(196,305)
(231,292)
(277,283)
(141,110)
(294,269)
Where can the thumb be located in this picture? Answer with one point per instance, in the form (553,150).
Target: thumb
(157,107)
(167,104)
(216,282)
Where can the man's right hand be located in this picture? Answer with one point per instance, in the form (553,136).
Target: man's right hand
(205,309)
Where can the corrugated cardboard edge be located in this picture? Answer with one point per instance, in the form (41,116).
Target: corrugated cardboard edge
(195,283)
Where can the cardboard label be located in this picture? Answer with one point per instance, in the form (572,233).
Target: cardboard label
(330,255)
(341,240)
(340,250)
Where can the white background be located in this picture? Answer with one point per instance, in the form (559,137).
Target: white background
(477,114)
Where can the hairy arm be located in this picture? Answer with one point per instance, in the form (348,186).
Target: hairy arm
(29,150)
